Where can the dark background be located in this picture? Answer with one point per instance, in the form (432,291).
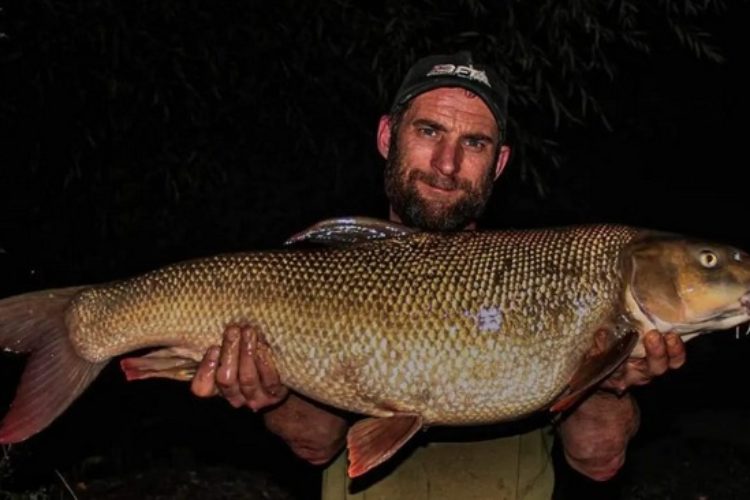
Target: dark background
(140,133)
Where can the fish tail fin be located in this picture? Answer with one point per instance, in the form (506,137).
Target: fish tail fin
(55,375)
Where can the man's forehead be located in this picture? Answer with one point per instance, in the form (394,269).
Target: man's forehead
(455,101)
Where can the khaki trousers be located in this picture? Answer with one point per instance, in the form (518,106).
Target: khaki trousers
(513,468)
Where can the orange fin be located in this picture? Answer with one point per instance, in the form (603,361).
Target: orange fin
(372,441)
(55,375)
(594,369)
(177,363)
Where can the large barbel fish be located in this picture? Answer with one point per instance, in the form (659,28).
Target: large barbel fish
(410,328)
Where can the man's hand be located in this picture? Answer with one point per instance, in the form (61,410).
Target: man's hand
(663,352)
(241,370)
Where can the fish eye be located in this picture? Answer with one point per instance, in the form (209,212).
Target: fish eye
(708,259)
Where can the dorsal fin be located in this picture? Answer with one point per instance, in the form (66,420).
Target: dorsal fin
(349,231)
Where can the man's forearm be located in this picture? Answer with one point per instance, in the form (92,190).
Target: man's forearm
(313,433)
(596,434)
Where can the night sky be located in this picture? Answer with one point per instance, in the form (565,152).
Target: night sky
(134,136)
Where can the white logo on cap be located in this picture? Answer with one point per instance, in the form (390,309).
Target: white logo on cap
(460,71)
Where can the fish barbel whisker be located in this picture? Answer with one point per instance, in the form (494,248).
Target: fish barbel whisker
(745,302)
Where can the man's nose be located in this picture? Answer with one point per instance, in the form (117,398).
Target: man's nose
(446,158)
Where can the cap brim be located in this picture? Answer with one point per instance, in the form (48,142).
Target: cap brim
(479,89)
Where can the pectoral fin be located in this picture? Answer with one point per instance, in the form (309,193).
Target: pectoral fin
(594,369)
(372,441)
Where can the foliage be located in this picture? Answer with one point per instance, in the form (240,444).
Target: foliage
(137,132)
(185,127)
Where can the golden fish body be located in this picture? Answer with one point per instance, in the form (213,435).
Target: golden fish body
(420,328)
(460,328)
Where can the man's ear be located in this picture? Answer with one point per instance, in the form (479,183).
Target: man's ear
(502,160)
(384,135)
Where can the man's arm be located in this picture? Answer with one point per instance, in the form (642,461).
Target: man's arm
(595,435)
(311,431)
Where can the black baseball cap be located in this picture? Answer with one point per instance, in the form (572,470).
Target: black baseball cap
(456,70)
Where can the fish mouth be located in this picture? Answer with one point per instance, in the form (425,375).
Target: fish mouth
(718,320)
(727,318)
(745,302)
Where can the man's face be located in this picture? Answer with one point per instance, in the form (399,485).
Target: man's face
(441,160)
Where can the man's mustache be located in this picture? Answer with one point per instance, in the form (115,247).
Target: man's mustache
(439,181)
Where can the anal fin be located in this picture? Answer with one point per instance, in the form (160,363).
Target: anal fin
(374,440)
(177,363)
(594,369)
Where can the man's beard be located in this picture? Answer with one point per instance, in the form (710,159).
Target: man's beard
(416,211)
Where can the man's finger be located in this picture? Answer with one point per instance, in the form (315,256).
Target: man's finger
(269,376)
(226,372)
(675,350)
(656,353)
(636,372)
(203,384)
(248,374)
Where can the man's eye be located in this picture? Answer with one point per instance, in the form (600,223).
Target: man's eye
(475,144)
(427,131)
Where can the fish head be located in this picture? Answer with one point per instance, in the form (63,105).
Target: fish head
(688,286)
